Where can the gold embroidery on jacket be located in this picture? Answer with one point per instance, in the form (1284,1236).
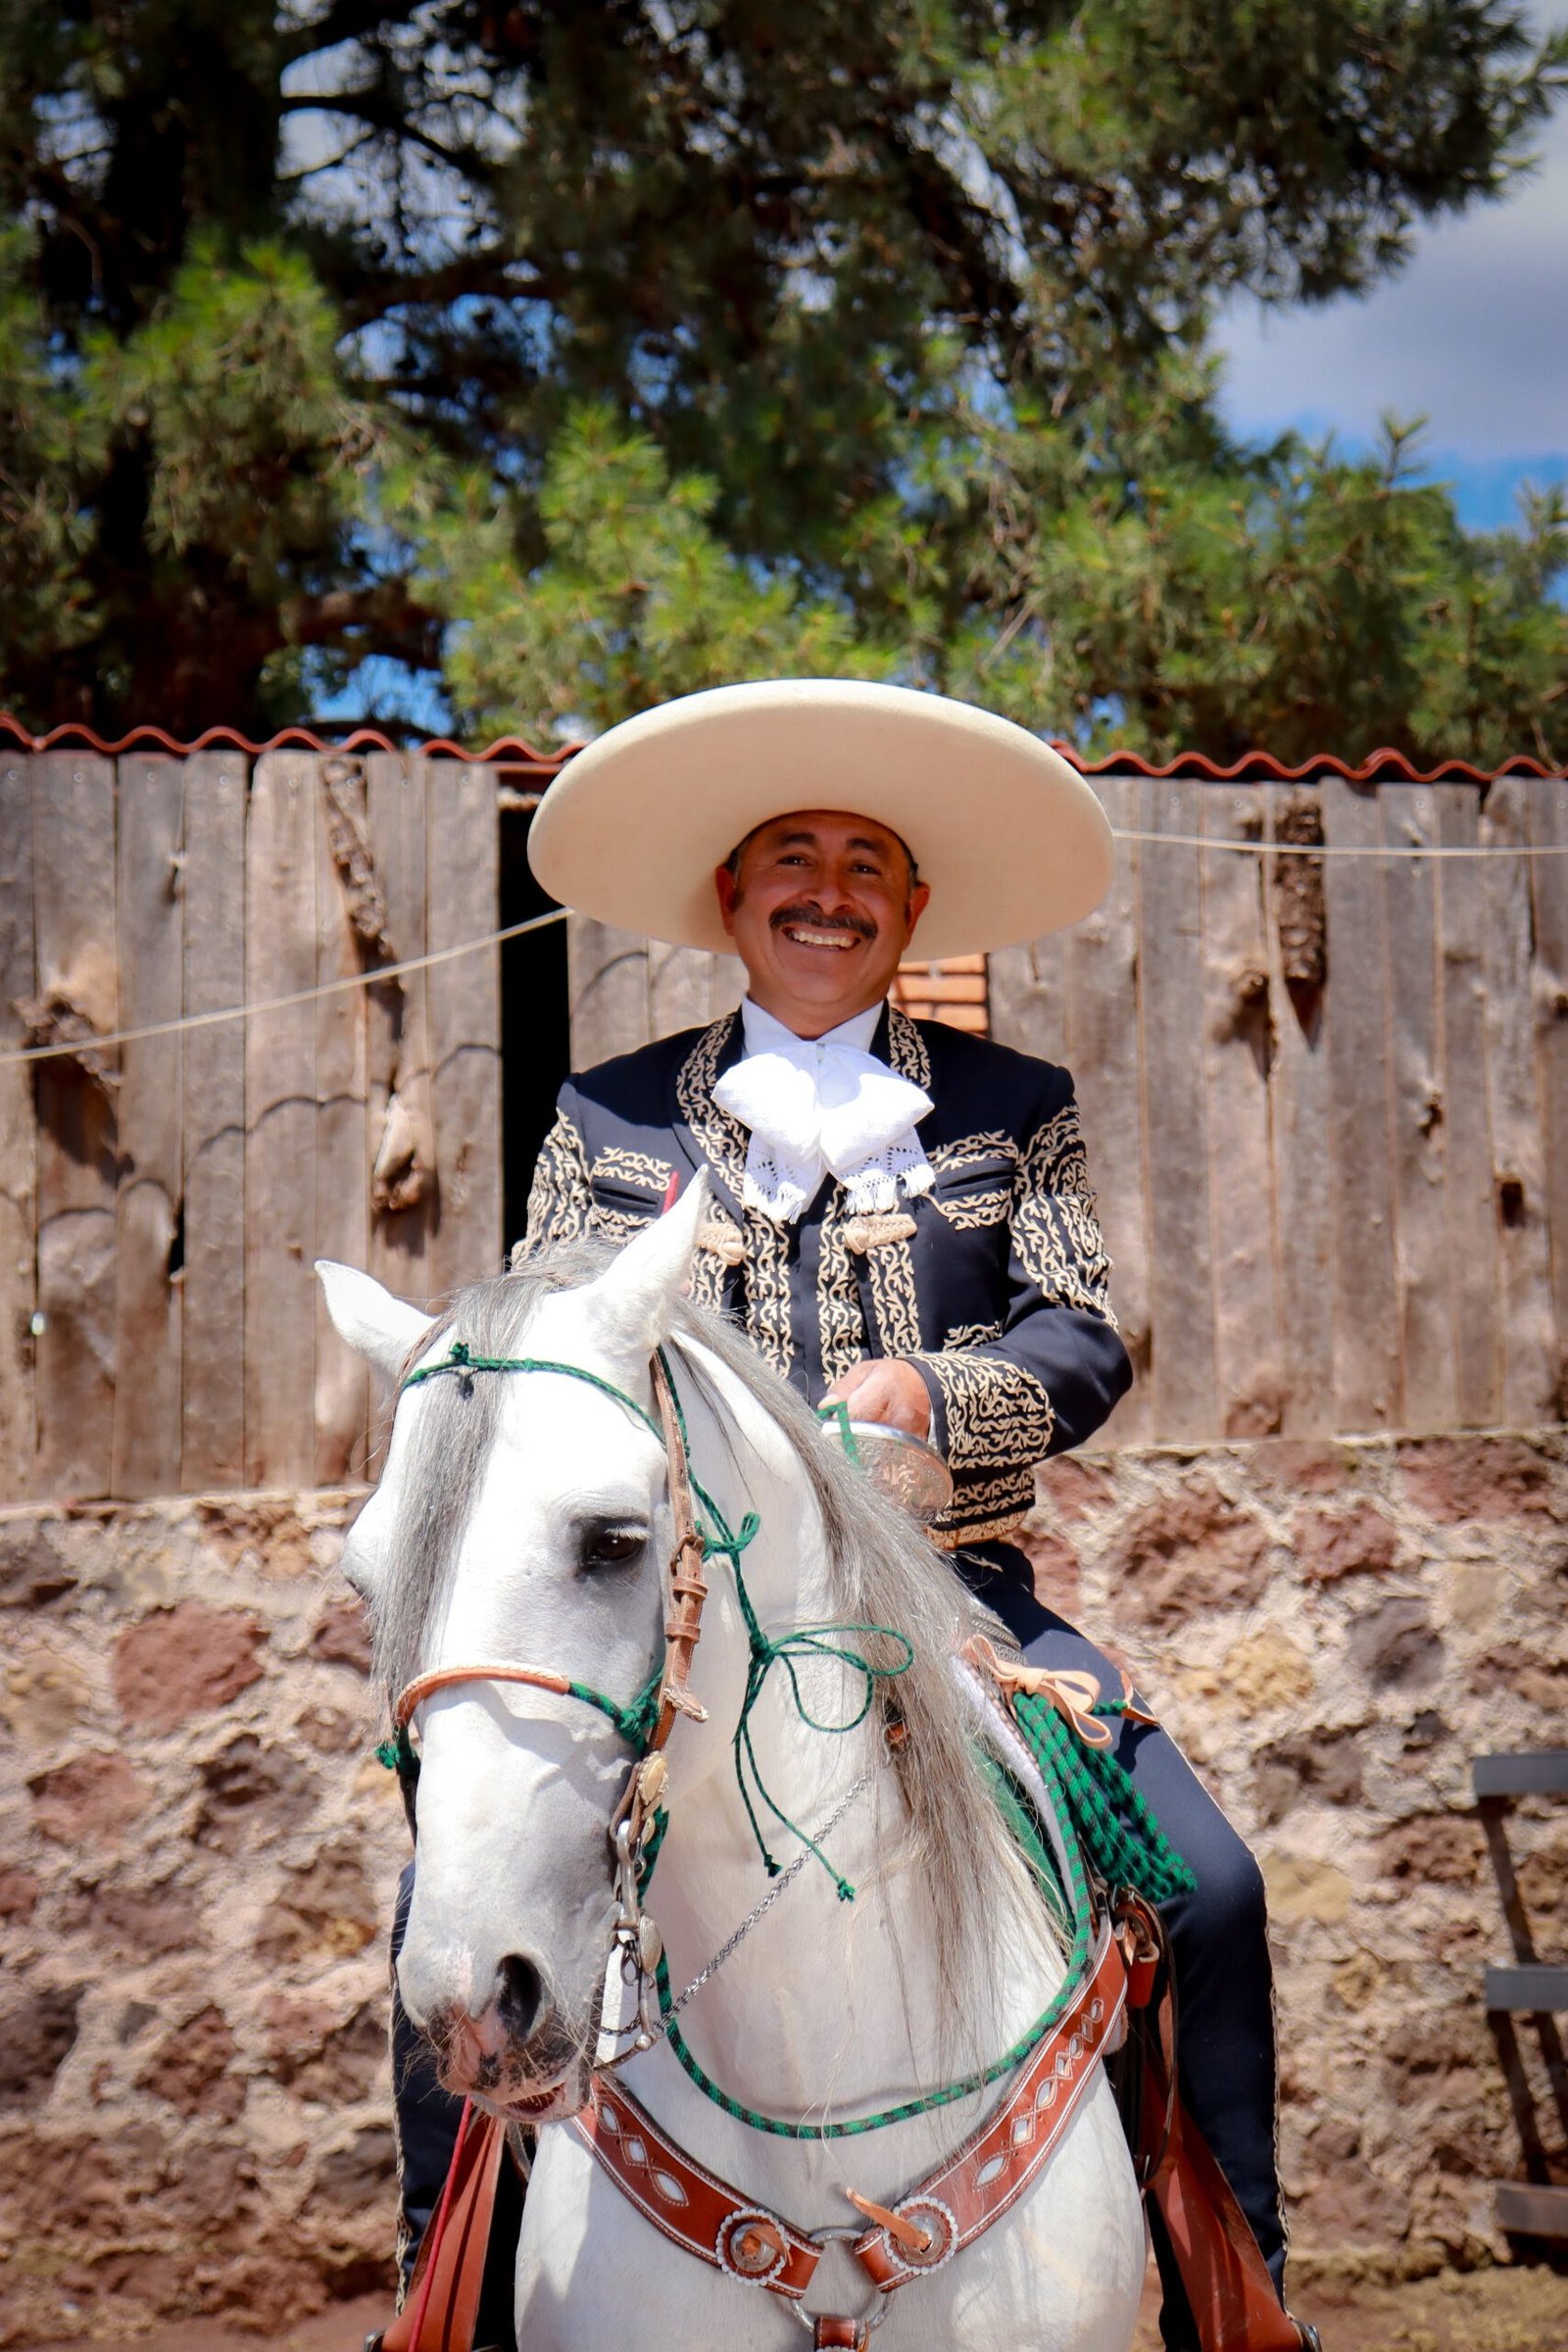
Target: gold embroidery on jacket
(722,1140)
(559,1202)
(840,1322)
(971,1334)
(890,1269)
(616,1165)
(980,1150)
(720,1134)
(1054,1230)
(906,1048)
(968,1212)
(998,1416)
(985,1507)
(767,1291)
(720,1247)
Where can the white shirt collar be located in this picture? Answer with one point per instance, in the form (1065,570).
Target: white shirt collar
(764,1034)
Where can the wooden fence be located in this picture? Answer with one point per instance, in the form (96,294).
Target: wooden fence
(1324,1079)
(1326,1097)
(161,1202)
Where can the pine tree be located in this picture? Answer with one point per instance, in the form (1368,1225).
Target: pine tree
(583,354)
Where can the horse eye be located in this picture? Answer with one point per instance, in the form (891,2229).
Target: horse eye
(612,1547)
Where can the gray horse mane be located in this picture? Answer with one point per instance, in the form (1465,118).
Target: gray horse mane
(882,1571)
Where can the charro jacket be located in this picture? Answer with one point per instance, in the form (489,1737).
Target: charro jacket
(994,1285)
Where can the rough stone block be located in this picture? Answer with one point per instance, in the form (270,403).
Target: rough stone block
(188,1660)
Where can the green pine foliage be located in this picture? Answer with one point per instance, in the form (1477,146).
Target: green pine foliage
(581,356)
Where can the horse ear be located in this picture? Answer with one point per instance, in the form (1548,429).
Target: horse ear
(385,1329)
(633,1301)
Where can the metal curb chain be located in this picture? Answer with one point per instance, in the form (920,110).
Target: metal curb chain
(757,1912)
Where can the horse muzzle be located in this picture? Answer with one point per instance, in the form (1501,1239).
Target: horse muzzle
(517,2052)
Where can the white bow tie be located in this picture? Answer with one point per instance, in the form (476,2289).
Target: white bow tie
(816,1106)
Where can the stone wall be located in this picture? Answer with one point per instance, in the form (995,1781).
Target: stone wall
(197,1851)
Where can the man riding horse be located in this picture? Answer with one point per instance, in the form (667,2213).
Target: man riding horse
(900,1217)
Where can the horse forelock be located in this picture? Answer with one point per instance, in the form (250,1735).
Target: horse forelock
(882,1571)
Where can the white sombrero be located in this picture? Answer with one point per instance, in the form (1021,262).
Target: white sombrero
(1012,840)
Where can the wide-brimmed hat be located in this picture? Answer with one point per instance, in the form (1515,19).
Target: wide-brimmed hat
(1012,840)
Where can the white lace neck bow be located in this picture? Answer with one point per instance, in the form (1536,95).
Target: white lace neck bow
(823,1105)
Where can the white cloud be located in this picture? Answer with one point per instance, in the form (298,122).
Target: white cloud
(1473,334)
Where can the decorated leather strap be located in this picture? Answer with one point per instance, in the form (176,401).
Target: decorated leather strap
(689,2204)
(948,2209)
(975,2185)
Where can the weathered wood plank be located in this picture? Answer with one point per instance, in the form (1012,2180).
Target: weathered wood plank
(1298,1124)
(1238,1051)
(464,998)
(19,1172)
(342,1194)
(280,865)
(1367,1389)
(1101,1052)
(1548,811)
(1470,1205)
(1410,816)
(607,980)
(1170,965)
(150,934)
(1530,1365)
(402,1128)
(680,982)
(74,915)
(213,1287)
(1028,987)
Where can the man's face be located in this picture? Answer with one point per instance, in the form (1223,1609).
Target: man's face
(821,909)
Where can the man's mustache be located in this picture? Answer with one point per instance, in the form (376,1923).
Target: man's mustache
(818,921)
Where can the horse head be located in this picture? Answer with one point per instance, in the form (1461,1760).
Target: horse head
(520,1521)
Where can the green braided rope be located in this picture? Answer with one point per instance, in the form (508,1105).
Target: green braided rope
(853,2127)
(1109,1816)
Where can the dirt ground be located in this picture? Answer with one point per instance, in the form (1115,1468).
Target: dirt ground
(1523,2308)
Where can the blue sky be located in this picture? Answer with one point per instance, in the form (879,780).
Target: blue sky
(1472,334)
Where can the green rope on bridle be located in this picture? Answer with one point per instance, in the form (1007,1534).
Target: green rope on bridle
(635,1722)
(787,1650)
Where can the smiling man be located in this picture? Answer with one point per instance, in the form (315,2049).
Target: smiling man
(901,1213)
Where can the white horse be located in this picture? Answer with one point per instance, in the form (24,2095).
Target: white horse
(524,1516)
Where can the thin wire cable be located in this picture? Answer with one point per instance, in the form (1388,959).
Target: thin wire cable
(90,1043)
(1344,849)
(473,947)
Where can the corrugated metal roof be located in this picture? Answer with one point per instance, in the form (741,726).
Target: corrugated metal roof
(515,753)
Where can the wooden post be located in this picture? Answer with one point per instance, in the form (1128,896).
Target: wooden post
(19,1174)
(342,1090)
(607,980)
(1530,1368)
(150,907)
(1299,1126)
(1237,1018)
(281,870)
(1170,968)
(463,857)
(1547,810)
(1424,1307)
(212,1126)
(73,912)
(1367,1387)
(1470,1206)
(1101,1050)
(402,1171)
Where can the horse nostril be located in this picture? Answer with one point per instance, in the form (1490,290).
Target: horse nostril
(518,1996)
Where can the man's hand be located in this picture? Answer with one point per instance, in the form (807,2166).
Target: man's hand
(885,1389)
